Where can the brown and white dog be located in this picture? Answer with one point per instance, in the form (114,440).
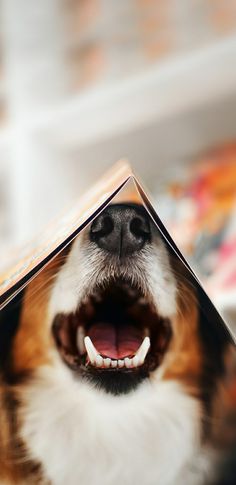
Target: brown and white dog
(111,375)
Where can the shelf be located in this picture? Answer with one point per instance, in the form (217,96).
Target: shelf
(165,90)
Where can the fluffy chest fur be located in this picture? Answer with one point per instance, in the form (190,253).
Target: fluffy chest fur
(81,435)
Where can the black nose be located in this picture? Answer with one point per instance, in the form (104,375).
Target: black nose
(121,229)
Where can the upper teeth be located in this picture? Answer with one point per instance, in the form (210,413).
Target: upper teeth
(91,350)
(97,360)
(143,350)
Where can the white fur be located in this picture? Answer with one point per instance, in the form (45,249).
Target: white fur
(84,436)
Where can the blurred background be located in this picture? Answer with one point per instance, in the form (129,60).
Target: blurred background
(86,82)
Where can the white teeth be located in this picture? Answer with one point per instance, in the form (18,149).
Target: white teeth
(99,361)
(91,350)
(80,340)
(135,361)
(107,362)
(142,351)
(128,362)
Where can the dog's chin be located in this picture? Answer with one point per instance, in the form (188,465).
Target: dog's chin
(115,339)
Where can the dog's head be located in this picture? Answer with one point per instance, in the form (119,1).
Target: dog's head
(117,311)
(114,307)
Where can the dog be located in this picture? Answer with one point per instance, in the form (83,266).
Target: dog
(111,374)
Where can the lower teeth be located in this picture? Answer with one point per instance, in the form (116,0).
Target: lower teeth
(97,360)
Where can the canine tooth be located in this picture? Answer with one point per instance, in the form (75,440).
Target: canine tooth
(99,361)
(135,361)
(107,362)
(143,350)
(91,350)
(114,363)
(80,340)
(121,363)
(127,362)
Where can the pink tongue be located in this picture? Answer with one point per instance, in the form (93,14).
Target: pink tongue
(115,342)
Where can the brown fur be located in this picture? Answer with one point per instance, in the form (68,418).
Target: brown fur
(31,347)
(185,353)
(15,468)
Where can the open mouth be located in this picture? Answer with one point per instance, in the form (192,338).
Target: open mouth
(115,338)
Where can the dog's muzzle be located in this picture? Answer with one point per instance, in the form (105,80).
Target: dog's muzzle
(115,338)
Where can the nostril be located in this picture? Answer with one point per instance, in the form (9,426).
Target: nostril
(140,228)
(102,226)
